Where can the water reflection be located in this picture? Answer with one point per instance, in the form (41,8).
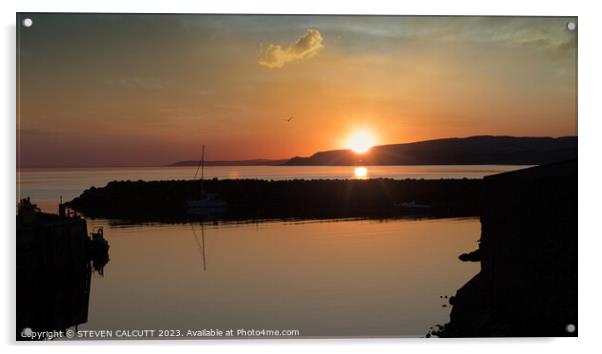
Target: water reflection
(325,278)
(201,245)
(360,172)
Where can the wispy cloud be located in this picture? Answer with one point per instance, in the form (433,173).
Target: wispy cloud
(275,56)
(391,33)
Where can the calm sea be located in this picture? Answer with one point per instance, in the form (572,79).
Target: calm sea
(329,278)
(324,279)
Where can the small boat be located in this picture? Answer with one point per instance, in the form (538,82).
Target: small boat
(97,241)
(208,200)
(98,250)
(208,203)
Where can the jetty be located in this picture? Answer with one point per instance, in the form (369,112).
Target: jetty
(55,261)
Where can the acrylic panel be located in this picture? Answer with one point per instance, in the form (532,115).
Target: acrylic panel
(195,176)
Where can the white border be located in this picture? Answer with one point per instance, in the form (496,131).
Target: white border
(589,181)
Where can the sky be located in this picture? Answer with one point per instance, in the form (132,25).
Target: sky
(149,90)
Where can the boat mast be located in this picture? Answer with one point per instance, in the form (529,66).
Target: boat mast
(201,166)
(203,163)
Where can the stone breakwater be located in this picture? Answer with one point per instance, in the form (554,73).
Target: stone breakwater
(262,199)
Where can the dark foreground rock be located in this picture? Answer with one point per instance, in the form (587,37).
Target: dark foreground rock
(528,280)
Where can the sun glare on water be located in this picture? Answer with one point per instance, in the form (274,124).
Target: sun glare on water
(360,172)
(360,141)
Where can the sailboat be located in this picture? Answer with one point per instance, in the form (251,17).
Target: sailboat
(208,203)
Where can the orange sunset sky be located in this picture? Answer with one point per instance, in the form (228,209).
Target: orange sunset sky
(141,90)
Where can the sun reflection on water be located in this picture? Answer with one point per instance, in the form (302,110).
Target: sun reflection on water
(360,172)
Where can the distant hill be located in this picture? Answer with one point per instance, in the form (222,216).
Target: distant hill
(475,150)
(255,162)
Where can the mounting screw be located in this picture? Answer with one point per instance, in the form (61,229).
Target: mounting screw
(570,328)
(571,26)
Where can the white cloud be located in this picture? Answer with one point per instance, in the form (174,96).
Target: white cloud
(275,56)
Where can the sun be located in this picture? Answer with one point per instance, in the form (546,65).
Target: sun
(360,141)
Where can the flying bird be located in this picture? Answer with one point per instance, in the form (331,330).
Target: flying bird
(289,119)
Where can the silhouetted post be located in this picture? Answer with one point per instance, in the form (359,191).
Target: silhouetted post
(61,208)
